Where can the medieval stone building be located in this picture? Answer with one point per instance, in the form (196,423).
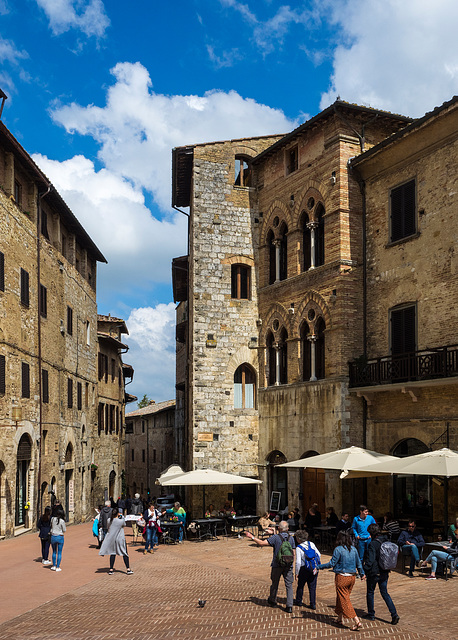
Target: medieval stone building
(274,299)
(48,351)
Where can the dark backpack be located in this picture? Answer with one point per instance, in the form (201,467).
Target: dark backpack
(285,555)
(310,559)
(388,558)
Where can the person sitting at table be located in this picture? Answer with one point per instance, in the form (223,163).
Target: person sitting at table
(291,521)
(266,524)
(331,517)
(211,511)
(178,511)
(391,526)
(411,542)
(312,519)
(453,531)
(344,523)
(226,509)
(437,555)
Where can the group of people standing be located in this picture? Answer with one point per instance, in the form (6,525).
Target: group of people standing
(51,529)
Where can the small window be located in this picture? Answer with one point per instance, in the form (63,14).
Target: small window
(79,395)
(244,387)
(240,282)
(133,455)
(45,386)
(143,426)
(292,160)
(403,208)
(18,193)
(2,271)
(69,321)
(143,455)
(2,375)
(88,333)
(64,246)
(403,332)
(113,369)
(25,380)
(154,455)
(69,393)
(43,301)
(44,224)
(242,172)
(86,395)
(25,288)
(45,442)
(101,414)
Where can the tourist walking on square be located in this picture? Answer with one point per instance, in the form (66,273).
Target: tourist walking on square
(58,528)
(345,563)
(105,516)
(151,518)
(308,559)
(279,568)
(411,542)
(44,529)
(359,526)
(376,575)
(114,543)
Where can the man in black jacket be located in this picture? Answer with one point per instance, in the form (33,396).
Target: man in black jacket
(376,575)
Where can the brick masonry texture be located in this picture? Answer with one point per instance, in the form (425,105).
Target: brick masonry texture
(160,600)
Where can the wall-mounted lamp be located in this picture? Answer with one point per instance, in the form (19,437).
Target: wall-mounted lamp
(333,177)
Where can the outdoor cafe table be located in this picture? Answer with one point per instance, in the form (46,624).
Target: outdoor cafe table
(170,530)
(326,535)
(239,523)
(207,527)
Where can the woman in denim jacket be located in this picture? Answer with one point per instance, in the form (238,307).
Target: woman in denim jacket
(345,563)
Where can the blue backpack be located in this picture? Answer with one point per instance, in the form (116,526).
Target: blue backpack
(311,559)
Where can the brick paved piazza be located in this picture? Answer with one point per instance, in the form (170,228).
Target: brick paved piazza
(160,599)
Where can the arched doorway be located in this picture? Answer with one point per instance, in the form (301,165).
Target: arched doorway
(3,503)
(44,499)
(23,457)
(412,494)
(69,482)
(313,486)
(278,477)
(111,484)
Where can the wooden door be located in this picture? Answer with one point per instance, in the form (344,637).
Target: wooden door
(313,482)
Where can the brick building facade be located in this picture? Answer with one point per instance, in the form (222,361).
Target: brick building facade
(273,299)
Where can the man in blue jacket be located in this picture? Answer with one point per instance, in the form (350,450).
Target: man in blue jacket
(411,542)
(359,526)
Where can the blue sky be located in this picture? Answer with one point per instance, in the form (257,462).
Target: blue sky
(100,91)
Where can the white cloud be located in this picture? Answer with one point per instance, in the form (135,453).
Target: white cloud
(152,351)
(138,128)
(87,16)
(10,56)
(399,56)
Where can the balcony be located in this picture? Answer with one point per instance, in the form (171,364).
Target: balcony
(430,364)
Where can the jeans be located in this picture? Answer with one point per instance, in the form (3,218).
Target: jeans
(306,576)
(57,543)
(45,542)
(151,538)
(412,550)
(434,556)
(362,546)
(382,582)
(288,576)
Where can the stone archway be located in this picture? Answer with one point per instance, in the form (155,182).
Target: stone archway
(277,477)
(23,481)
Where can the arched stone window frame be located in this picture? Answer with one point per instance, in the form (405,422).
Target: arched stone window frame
(274,231)
(245,387)
(313,319)
(274,340)
(312,206)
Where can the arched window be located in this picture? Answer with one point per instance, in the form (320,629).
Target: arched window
(242,172)
(306,243)
(283,356)
(271,359)
(283,252)
(319,236)
(240,282)
(306,353)
(24,457)
(271,254)
(319,349)
(244,387)
(69,453)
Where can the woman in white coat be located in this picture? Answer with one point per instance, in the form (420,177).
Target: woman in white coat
(114,543)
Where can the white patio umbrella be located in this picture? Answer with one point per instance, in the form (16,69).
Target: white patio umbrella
(205,477)
(171,472)
(349,458)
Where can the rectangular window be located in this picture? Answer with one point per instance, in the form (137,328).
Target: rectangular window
(113,369)
(86,395)
(70,393)
(44,224)
(24,288)
(133,456)
(44,446)
(18,193)
(403,211)
(45,386)
(292,160)
(240,281)
(25,380)
(43,301)
(2,375)
(112,418)
(242,172)
(106,419)
(88,333)
(79,396)
(403,332)
(154,455)
(100,411)
(143,426)
(69,321)
(64,246)
(2,271)
(143,455)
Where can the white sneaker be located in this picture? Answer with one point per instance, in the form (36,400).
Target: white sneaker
(58,569)
(47,562)
(53,568)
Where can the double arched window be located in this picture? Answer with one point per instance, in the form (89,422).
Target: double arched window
(312,227)
(244,387)
(277,245)
(313,350)
(277,358)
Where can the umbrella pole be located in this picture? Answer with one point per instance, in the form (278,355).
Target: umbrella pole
(203,500)
(446,507)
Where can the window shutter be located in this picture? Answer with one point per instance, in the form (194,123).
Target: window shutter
(403,222)
(43,301)
(24,288)
(25,380)
(79,395)
(409,208)
(70,321)
(2,375)
(69,393)
(2,271)
(403,334)
(45,385)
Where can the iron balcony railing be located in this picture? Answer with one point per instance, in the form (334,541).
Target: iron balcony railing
(441,362)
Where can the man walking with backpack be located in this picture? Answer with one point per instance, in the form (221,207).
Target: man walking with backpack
(308,559)
(381,556)
(282,563)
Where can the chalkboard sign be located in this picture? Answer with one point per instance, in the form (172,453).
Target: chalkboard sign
(275,500)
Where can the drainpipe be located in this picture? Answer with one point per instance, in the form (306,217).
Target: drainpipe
(40,391)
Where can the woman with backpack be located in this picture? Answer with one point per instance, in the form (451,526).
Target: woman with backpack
(44,528)
(381,556)
(308,559)
(345,563)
